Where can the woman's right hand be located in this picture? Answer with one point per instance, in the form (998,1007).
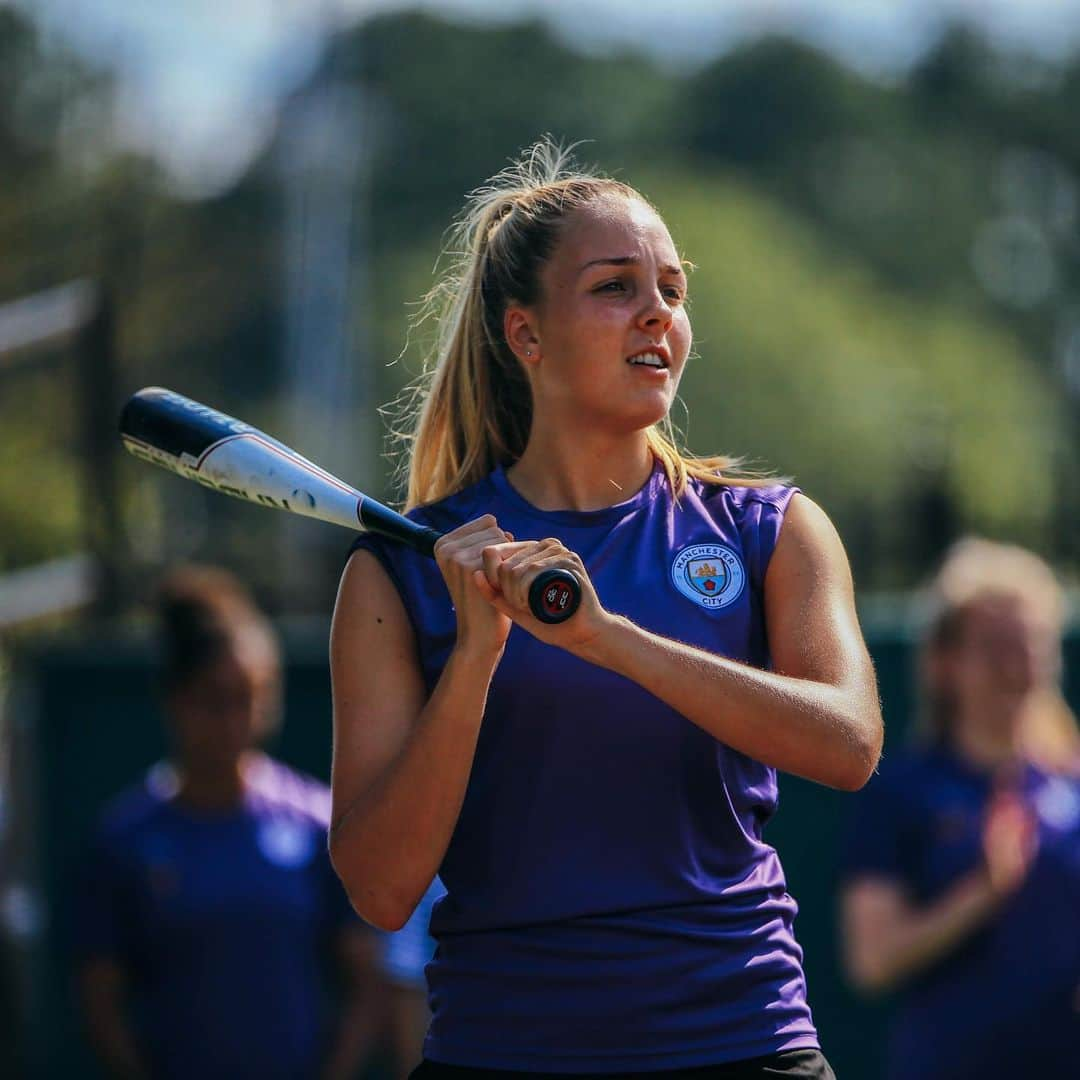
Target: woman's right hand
(459,555)
(1010,842)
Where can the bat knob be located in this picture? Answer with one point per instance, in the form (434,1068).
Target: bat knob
(555,595)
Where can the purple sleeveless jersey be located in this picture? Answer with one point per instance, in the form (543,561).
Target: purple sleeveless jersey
(223,921)
(611,904)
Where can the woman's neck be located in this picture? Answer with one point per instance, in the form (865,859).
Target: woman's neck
(986,742)
(214,789)
(585,472)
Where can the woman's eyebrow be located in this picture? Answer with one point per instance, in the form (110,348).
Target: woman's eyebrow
(626,260)
(611,260)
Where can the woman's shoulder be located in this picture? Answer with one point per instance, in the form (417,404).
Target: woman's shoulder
(128,812)
(278,788)
(741,497)
(453,509)
(441,514)
(456,508)
(752,516)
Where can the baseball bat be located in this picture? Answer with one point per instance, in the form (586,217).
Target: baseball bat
(220,452)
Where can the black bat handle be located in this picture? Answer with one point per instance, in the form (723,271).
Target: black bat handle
(553,597)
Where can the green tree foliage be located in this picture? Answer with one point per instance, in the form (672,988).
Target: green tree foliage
(455,102)
(770,105)
(866,308)
(194,287)
(811,362)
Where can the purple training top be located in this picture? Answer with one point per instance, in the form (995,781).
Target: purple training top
(1005,1003)
(611,904)
(223,923)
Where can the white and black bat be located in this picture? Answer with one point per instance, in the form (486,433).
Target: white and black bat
(202,444)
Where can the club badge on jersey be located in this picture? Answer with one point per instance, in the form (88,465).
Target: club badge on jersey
(711,575)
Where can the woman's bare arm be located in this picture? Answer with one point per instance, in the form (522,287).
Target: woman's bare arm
(816,714)
(888,938)
(401,764)
(401,759)
(103,993)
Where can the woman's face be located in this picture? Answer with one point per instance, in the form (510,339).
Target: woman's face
(611,326)
(1005,651)
(225,708)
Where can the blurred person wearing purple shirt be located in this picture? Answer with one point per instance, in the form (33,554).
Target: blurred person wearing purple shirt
(963,870)
(592,794)
(214,938)
(402,959)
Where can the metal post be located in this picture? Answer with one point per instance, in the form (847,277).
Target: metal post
(99,407)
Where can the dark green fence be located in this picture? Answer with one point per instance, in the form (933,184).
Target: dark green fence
(94,726)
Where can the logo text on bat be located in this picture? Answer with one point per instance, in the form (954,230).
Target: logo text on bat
(238,427)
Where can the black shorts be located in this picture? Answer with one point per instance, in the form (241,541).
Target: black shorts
(793,1064)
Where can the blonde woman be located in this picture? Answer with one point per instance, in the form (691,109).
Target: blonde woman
(592,793)
(963,877)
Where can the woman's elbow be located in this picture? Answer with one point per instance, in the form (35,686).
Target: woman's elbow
(859,769)
(388,919)
(377,907)
(850,769)
(869,973)
(872,915)
(864,750)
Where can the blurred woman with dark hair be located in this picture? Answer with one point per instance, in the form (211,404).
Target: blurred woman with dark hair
(963,874)
(212,918)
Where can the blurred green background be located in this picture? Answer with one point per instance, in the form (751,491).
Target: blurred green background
(886,307)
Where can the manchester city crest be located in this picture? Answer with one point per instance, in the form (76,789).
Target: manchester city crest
(711,575)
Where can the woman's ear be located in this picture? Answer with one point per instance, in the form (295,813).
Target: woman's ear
(519,328)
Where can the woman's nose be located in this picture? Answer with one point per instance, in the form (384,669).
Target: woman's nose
(657,313)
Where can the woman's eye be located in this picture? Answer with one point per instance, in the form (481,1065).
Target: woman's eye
(673,293)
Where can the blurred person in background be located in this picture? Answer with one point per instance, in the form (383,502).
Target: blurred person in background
(213,935)
(12,1023)
(962,877)
(403,956)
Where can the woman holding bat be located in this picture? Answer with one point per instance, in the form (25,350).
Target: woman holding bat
(592,793)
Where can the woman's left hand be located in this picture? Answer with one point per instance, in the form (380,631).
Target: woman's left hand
(509,571)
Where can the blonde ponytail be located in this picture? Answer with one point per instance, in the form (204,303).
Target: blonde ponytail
(471,409)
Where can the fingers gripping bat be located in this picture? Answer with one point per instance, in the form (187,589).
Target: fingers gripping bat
(220,452)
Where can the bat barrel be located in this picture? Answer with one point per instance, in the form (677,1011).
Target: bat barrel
(220,452)
(223,453)
(175,426)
